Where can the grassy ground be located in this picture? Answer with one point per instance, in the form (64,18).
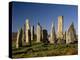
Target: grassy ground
(40,50)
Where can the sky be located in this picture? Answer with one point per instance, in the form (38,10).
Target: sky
(45,14)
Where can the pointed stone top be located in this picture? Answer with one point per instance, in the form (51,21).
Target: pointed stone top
(27,20)
(52,24)
(18,29)
(72,23)
(23,28)
(71,28)
(38,23)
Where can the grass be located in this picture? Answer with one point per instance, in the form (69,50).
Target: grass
(40,50)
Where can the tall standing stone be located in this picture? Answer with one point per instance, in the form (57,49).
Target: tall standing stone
(29,36)
(60,29)
(39,33)
(52,35)
(19,39)
(24,31)
(68,38)
(64,38)
(64,35)
(27,31)
(45,36)
(71,34)
(32,32)
(23,36)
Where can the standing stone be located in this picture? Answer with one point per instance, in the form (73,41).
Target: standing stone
(64,38)
(39,33)
(68,37)
(32,32)
(52,35)
(24,30)
(27,31)
(19,39)
(64,35)
(71,34)
(45,36)
(23,36)
(29,36)
(60,29)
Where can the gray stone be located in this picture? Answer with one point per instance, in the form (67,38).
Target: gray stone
(23,36)
(45,36)
(27,31)
(32,32)
(60,29)
(39,33)
(52,35)
(71,34)
(19,39)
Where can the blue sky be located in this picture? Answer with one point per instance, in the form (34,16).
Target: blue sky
(44,13)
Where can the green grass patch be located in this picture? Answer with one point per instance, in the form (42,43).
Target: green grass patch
(40,50)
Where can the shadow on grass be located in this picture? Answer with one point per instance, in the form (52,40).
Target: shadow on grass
(30,50)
